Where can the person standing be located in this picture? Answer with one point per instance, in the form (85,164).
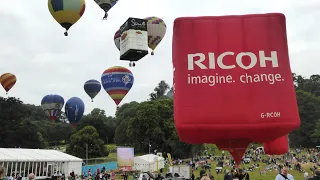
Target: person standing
(316,175)
(112,175)
(284,175)
(1,173)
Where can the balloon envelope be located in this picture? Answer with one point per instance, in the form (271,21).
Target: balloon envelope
(236,148)
(170,94)
(92,88)
(232,100)
(117,82)
(106,5)
(52,105)
(117,37)
(278,146)
(156,31)
(66,12)
(7,81)
(74,110)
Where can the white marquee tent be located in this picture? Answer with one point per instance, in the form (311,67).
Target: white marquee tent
(43,163)
(148,162)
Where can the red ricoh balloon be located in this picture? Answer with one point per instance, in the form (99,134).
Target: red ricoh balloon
(232,79)
(277,147)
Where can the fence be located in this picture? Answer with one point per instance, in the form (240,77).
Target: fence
(100,160)
(93,168)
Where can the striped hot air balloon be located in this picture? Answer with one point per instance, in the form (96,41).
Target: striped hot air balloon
(52,105)
(117,81)
(156,31)
(117,37)
(7,81)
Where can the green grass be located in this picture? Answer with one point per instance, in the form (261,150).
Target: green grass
(255,175)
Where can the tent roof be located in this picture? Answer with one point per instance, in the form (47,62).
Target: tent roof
(17,154)
(149,157)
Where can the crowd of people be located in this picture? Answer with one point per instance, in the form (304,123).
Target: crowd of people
(253,160)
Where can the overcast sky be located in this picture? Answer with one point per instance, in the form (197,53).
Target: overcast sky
(33,47)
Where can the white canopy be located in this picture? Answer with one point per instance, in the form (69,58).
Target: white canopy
(148,162)
(35,155)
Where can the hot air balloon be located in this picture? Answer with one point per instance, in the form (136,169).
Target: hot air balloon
(92,88)
(66,12)
(74,110)
(278,146)
(222,94)
(106,5)
(156,31)
(7,81)
(170,93)
(133,40)
(52,105)
(117,37)
(117,81)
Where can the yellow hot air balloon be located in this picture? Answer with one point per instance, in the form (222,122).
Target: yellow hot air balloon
(66,12)
(156,31)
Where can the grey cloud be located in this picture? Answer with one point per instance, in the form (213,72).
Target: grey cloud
(32,44)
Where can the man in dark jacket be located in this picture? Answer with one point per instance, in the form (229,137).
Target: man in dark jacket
(228,175)
(316,175)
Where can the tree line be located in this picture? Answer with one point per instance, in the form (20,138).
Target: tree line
(146,126)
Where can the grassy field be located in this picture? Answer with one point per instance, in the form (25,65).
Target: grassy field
(255,175)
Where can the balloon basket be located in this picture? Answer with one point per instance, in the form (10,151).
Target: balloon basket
(73,125)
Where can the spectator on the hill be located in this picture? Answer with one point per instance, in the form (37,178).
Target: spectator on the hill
(316,175)
(31,176)
(1,173)
(228,175)
(284,175)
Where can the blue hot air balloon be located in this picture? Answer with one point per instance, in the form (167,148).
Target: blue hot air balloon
(92,88)
(74,110)
(52,105)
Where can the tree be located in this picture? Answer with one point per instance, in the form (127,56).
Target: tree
(307,91)
(104,125)
(88,136)
(159,91)
(151,122)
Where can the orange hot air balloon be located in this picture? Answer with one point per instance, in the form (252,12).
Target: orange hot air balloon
(7,81)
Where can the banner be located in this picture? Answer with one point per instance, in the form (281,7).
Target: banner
(169,158)
(125,158)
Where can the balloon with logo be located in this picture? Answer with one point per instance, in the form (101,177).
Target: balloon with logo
(52,105)
(66,12)
(117,82)
(242,96)
(92,88)
(106,5)
(7,81)
(117,37)
(74,110)
(156,31)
